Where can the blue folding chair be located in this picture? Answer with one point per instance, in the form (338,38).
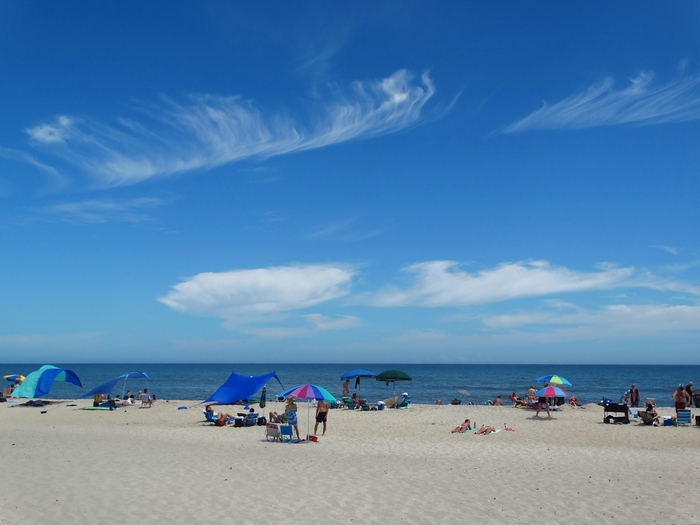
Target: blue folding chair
(286,433)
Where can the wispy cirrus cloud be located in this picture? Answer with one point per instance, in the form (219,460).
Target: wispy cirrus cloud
(341,322)
(23,156)
(643,102)
(244,296)
(211,131)
(98,211)
(667,249)
(442,284)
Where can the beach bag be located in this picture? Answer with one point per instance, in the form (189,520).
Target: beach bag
(262,421)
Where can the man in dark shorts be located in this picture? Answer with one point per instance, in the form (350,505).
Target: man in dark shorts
(321,416)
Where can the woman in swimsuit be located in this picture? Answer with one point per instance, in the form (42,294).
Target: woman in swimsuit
(467,425)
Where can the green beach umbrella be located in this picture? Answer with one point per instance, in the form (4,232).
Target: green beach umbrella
(392,376)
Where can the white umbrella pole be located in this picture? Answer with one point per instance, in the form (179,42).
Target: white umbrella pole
(308,420)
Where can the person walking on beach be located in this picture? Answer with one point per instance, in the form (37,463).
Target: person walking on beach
(689,388)
(543,401)
(634,396)
(321,415)
(680,398)
(346,388)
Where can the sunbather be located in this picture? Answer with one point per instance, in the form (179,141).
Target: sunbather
(276,417)
(574,402)
(485,430)
(656,419)
(462,428)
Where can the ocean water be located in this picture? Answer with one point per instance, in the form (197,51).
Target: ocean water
(429,382)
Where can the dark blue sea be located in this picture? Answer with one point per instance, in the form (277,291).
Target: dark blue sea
(429,382)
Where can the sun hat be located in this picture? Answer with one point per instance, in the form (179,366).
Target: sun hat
(405,394)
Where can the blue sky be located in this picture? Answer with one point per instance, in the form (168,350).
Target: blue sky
(404,182)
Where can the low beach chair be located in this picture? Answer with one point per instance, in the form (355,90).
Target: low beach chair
(285,433)
(251,420)
(146,401)
(209,416)
(645,418)
(272,431)
(683,417)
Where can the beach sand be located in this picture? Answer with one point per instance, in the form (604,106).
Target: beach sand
(163,465)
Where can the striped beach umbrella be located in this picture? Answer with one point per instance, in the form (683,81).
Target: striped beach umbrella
(552,391)
(309,393)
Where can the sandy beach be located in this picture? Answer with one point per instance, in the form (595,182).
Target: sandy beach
(163,465)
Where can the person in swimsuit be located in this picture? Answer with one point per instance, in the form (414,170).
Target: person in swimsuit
(634,396)
(291,410)
(321,416)
(485,430)
(681,398)
(462,428)
(346,388)
(543,401)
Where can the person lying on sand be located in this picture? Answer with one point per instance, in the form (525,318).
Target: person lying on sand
(467,425)
(485,430)
(438,402)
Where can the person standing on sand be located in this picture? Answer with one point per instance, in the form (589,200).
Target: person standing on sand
(634,396)
(543,401)
(346,388)
(321,415)
(291,410)
(689,388)
(680,398)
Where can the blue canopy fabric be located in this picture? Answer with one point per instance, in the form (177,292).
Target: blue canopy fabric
(239,387)
(353,374)
(39,382)
(108,386)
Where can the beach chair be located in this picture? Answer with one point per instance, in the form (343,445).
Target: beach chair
(285,433)
(209,416)
(645,418)
(251,420)
(683,417)
(272,431)
(349,403)
(146,401)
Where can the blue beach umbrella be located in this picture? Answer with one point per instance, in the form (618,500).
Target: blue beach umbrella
(553,380)
(357,375)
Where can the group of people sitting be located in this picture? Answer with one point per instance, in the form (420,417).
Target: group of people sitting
(221,419)
(129,399)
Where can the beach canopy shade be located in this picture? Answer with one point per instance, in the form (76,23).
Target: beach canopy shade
(239,387)
(552,391)
(39,382)
(14,377)
(354,374)
(108,386)
(554,380)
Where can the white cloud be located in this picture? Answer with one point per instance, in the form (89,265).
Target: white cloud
(643,102)
(342,322)
(629,320)
(667,249)
(439,283)
(211,131)
(103,211)
(23,156)
(241,296)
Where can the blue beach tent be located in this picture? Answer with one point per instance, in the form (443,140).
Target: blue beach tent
(39,382)
(239,387)
(108,386)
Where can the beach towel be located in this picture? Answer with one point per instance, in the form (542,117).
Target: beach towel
(292,417)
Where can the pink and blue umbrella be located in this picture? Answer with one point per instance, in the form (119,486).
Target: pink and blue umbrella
(309,393)
(552,391)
